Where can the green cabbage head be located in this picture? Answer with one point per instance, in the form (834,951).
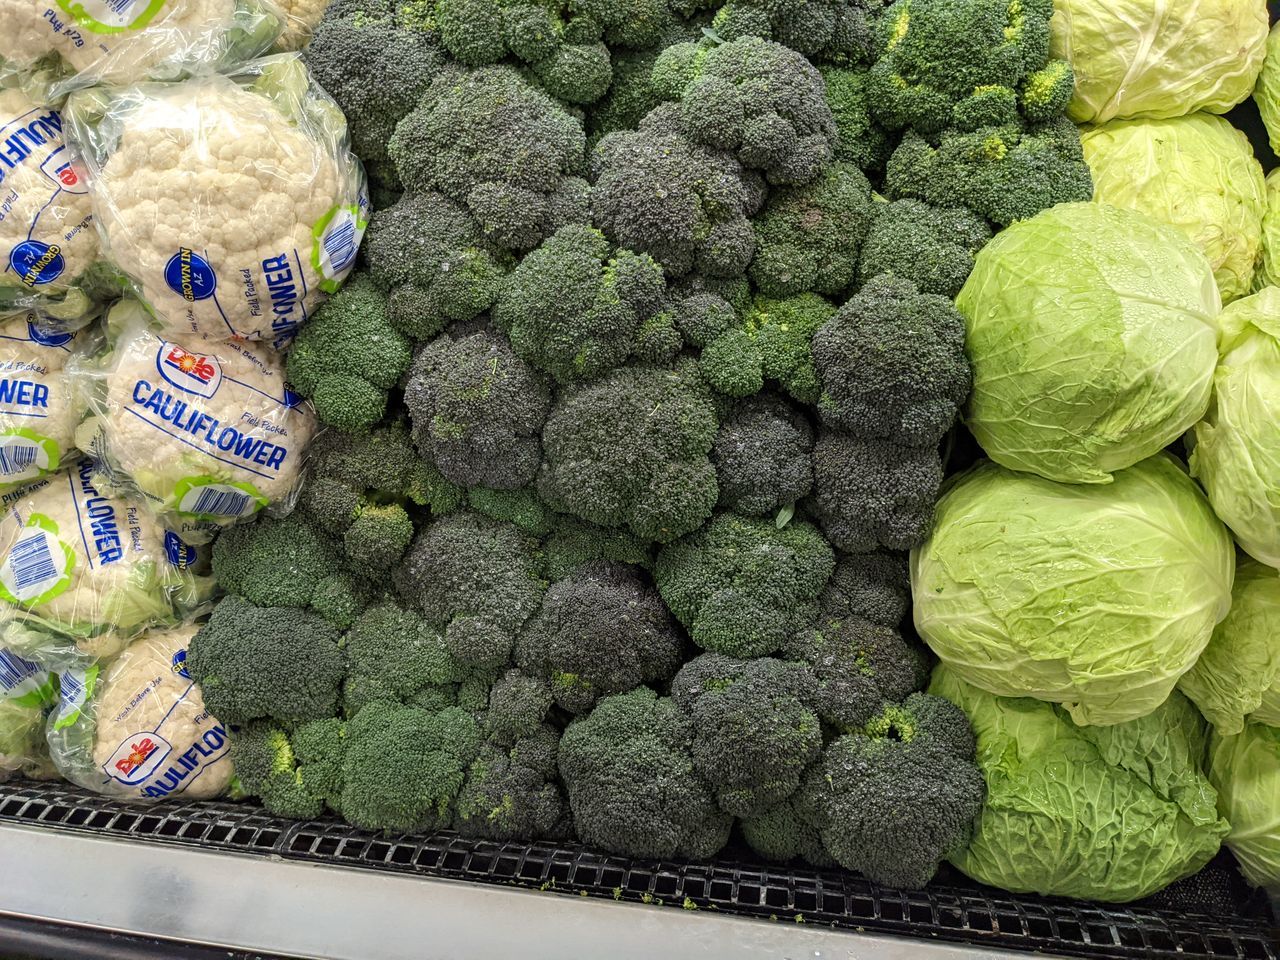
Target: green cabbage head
(1268,269)
(1236,447)
(1245,769)
(1267,93)
(1098,598)
(1103,813)
(1092,331)
(1196,173)
(1136,58)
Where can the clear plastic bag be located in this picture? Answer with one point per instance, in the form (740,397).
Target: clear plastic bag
(207,432)
(232,202)
(301,19)
(137,726)
(81,573)
(27,691)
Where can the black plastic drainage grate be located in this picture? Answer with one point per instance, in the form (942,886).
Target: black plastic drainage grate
(954,912)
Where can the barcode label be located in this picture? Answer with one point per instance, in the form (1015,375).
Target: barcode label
(75,686)
(31,564)
(15,671)
(218,500)
(18,457)
(338,244)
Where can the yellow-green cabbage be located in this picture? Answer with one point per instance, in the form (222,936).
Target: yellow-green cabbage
(1245,770)
(1268,267)
(1267,92)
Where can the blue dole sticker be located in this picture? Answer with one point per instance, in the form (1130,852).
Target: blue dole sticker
(180,665)
(46,337)
(189,276)
(291,399)
(37,263)
(180,553)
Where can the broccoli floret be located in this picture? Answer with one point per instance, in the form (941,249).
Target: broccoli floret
(901,795)
(771,344)
(511,793)
(1004,173)
(629,24)
(785,832)
(295,775)
(256,662)
(754,730)
(477,410)
(808,238)
(839,31)
(430,256)
(516,708)
(403,767)
(892,364)
(394,654)
(871,494)
(520,507)
(630,450)
(859,139)
(628,770)
(686,205)
(600,631)
(763,456)
(933,247)
(462,137)
(758,99)
(348,356)
(631,94)
(576,308)
(573,543)
(742,586)
(475,580)
(872,586)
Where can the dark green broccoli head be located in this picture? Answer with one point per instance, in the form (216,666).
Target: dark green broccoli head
(573,543)
(754,727)
(602,630)
(783,833)
(763,456)
(892,364)
(629,24)
(461,139)
(230,654)
(686,205)
(393,654)
(933,247)
(576,308)
(511,793)
(1004,173)
(430,255)
(771,344)
(348,356)
(742,586)
(477,410)
(630,450)
(859,139)
(761,101)
(874,493)
(295,775)
(836,31)
(522,507)
(808,238)
(517,708)
(628,770)
(901,795)
(869,586)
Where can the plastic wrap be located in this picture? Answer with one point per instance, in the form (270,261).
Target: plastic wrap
(27,691)
(49,253)
(137,726)
(233,203)
(207,432)
(62,45)
(301,19)
(81,573)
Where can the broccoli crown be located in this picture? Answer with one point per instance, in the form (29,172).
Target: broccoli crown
(477,410)
(227,655)
(743,586)
(808,237)
(901,795)
(521,507)
(600,631)
(430,255)
(403,767)
(859,139)
(838,31)
(460,140)
(943,62)
(784,833)
(892,364)
(476,580)
(933,247)
(754,729)
(516,708)
(575,308)
(631,94)
(771,344)
(394,654)
(630,450)
(573,543)
(871,586)
(1004,173)
(295,775)
(871,493)
(348,356)
(511,793)
(628,770)
(686,205)
(629,24)
(760,100)
(763,456)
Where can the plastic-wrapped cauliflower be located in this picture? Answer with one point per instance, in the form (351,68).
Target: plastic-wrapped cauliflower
(81,572)
(233,203)
(27,691)
(66,44)
(301,19)
(48,244)
(208,433)
(39,400)
(137,726)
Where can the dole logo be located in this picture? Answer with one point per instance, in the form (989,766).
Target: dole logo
(59,168)
(137,758)
(190,372)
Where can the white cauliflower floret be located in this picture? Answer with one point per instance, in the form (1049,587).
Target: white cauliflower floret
(301,19)
(40,405)
(47,236)
(207,432)
(140,728)
(233,219)
(81,572)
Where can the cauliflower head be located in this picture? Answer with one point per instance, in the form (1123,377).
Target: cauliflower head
(27,690)
(301,19)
